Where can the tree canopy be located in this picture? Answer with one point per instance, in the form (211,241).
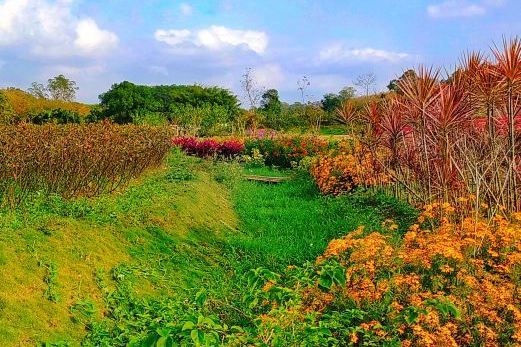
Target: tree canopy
(125,102)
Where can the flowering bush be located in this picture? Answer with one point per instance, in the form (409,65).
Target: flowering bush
(205,148)
(73,159)
(341,172)
(285,151)
(443,284)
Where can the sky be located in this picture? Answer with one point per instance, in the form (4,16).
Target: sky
(101,42)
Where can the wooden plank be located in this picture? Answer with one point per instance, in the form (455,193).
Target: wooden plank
(266,179)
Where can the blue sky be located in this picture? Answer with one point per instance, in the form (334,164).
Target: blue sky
(101,42)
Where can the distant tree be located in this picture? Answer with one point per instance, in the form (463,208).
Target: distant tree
(347,93)
(365,82)
(62,88)
(251,89)
(38,90)
(451,77)
(393,85)
(303,84)
(127,102)
(330,102)
(271,107)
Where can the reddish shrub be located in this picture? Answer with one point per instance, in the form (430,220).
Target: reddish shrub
(205,148)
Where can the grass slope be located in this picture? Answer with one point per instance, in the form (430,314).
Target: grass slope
(52,251)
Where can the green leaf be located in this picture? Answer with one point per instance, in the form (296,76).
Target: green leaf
(194,334)
(325,282)
(161,342)
(200,297)
(163,332)
(188,326)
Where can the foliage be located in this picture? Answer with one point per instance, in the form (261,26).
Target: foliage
(202,120)
(454,137)
(58,88)
(56,116)
(61,88)
(75,159)
(444,285)
(6,109)
(271,109)
(125,102)
(285,151)
(205,148)
(330,102)
(394,85)
(344,170)
(23,105)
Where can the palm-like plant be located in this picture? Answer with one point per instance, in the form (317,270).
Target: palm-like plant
(508,69)
(420,91)
(347,114)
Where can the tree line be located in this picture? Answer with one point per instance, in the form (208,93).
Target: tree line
(194,109)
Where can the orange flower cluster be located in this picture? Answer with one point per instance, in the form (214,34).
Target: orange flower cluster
(341,172)
(450,284)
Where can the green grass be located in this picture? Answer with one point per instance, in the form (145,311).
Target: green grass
(333,130)
(120,262)
(290,223)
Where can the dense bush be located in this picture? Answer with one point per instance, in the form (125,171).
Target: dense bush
(56,116)
(75,159)
(205,148)
(286,151)
(341,172)
(202,120)
(126,102)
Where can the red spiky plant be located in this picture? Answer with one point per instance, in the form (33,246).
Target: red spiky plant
(447,138)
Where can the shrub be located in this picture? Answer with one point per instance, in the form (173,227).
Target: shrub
(339,173)
(56,116)
(73,159)
(205,148)
(286,151)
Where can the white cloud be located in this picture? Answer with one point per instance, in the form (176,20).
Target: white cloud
(186,9)
(461,8)
(49,28)
(90,38)
(339,53)
(214,38)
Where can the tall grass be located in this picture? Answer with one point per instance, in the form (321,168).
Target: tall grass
(73,160)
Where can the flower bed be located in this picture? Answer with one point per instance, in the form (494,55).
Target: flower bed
(286,151)
(443,284)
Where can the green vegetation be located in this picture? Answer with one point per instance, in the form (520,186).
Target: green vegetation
(196,107)
(290,223)
(113,269)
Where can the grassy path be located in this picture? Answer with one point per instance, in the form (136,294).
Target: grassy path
(290,223)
